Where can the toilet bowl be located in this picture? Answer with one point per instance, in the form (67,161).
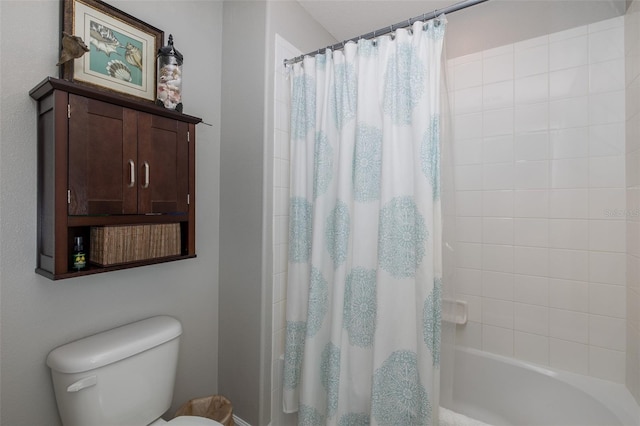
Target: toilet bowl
(120,377)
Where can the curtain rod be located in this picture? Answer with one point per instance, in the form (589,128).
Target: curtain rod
(404,24)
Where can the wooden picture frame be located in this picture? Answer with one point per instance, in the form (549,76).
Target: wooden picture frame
(123,49)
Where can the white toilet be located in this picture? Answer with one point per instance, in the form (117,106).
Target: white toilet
(120,377)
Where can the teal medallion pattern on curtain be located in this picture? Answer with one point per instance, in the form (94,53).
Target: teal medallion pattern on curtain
(432,320)
(296,331)
(360,306)
(354,419)
(398,397)
(430,156)
(337,233)
(318,300)
(299,229)
(309,416)
(401,238)
(330,375)
(322,164)
(344,94)
(404,85)
(303,106)
(367,163)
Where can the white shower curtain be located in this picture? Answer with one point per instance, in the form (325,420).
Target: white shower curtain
(365,267)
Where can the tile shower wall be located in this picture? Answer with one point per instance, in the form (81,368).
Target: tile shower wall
(632,212)
(283,50)
(539,157)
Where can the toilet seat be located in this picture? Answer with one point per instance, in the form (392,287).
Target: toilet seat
(192,421)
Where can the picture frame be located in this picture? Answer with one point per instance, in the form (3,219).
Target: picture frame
(122,49)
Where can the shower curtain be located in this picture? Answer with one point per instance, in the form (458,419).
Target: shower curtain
(365,262)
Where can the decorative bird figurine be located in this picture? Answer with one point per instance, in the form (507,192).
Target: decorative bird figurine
(72,47)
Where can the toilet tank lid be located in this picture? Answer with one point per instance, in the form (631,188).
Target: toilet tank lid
(113,345)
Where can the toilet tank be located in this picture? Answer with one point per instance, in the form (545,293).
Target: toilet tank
(124,376)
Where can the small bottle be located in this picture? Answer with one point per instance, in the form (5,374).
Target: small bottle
(78,257)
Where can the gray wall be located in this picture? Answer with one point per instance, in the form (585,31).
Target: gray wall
(245,196)
(37,314)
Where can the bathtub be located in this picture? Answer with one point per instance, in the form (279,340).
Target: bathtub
(502,391)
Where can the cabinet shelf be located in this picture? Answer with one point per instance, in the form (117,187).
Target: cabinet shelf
(109,160)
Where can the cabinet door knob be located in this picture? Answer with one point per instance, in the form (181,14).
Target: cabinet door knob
(146,174)
(132,174)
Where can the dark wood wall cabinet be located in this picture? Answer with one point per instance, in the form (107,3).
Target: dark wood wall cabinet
(107,160)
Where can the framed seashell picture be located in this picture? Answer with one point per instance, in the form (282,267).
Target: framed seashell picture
(122,49)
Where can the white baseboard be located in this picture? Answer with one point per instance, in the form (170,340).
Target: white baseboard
(239,422)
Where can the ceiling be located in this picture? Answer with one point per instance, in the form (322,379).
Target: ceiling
(483,26)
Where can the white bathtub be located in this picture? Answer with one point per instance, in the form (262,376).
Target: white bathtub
(502,391)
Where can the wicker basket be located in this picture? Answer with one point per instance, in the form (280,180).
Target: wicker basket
(215,407)
(113,245)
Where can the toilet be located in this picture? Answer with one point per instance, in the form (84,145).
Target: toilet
(120,377)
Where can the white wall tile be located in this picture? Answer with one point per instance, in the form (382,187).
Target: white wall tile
(607,140)
(497,95)
(568,325)
(531,261)
(468,100)
(568,83)
(607,107)
(569,143)
(603,203)
(607,364)
(497,176)
(531,347)
(468,74)
(569,234)
(607,235)
(532,203)
(531,318)
(498,67)
(569,295)
(468,281)
(531,289)
(468,177)
(606,76)
(607,172)
(497,285)
(606,45)
(531,232)
(468,203)
(570,173)
(497,149)
(467,126)
(497,230)
(532,146)
(531,174)
(497,258)
(469,255)
(497,203)
(497,122)
(607,332)
(497,340)
(532,89)
(532,117)
(469,335)
(569,264)
(498,313)
(569,203)
(569,356)
(531,61)
(608,300)
(567,53)
(569,112)
(607,268)
(467,151)
(469,229)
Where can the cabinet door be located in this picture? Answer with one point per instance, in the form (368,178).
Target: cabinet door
(102,158)
(163,154)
